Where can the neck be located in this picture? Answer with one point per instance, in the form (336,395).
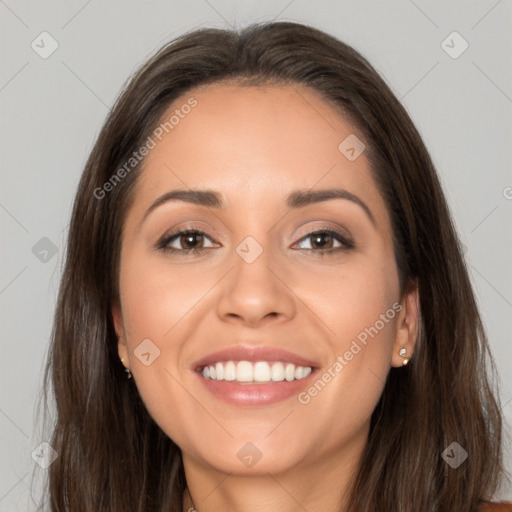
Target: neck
(322,485)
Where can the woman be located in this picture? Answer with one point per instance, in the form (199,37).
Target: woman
(261,239)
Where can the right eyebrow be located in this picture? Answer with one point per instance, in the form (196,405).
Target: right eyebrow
(207,198)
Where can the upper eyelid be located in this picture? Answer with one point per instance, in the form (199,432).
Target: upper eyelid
(327,224)
(329,228)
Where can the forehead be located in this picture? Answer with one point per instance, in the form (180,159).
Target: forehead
(254,144)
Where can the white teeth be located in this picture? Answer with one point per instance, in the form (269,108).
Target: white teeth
(277,372)
(289,372)
(244,372)
(219,371)
(259,372)
(229,370)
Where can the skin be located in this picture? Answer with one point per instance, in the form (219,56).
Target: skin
(254,145)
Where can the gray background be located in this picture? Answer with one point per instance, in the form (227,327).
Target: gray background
(52,110)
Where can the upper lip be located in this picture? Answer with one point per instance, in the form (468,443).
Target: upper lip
(253,354)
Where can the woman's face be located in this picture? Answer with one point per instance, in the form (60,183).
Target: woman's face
(294,268)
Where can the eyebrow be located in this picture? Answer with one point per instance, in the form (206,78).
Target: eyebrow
(294,200)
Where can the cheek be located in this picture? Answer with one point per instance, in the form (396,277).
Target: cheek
(359,305)
(157,304)
(156,298)
(351,297)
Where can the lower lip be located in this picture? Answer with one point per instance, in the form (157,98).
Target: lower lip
(242,395)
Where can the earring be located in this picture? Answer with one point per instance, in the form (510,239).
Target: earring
(402,352)
(127,370)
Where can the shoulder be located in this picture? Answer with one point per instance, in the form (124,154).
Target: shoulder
(502,506)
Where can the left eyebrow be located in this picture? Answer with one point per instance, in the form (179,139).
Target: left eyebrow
(294,200)
(301,198)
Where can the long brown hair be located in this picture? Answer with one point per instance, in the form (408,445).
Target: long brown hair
(112,455)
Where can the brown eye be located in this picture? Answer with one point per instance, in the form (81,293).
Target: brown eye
(191,240)
(326,241)
(322,241)
(185,241)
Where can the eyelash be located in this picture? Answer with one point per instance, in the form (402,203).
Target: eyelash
(347,243)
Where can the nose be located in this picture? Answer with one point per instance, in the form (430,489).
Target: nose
(257,292)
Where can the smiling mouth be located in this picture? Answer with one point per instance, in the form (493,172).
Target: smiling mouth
(254,376)
(259,372)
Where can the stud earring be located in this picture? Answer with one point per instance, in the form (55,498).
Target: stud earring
(127,370)
(402,352)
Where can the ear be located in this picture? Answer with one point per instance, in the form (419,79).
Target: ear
(122,346)
(407,326)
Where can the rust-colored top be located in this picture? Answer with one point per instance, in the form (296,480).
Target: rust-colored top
(504,506)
